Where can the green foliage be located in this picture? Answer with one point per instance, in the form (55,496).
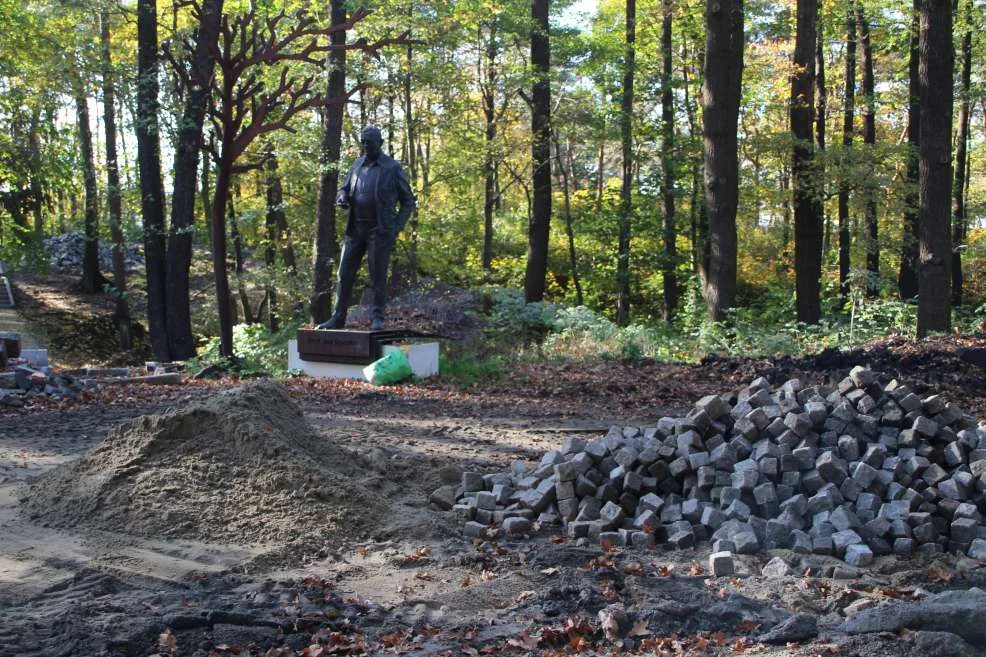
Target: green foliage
(257,350)
(470,369)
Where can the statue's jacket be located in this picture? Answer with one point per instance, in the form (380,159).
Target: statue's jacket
(394,199)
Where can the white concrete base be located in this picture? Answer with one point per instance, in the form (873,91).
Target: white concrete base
(423,357)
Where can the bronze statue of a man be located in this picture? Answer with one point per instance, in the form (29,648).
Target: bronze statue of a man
(378,195)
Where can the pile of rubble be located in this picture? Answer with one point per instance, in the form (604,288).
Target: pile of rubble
(857,470)
(65,252)
(25,383)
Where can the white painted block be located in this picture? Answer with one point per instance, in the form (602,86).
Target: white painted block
(423,357)
(322,370)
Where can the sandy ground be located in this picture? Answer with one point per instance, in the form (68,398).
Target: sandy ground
(410,583)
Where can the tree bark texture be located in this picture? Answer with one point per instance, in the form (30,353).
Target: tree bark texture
(961,173)
(720,101)
(626,188)
(90,283)
(181,342)
(151,186)
(808,226)
(326,240)
(670,232)
(113,194)
(540,224)
(848,122)
(869,141)
(488,82)
(935,248)
(907,278)
(223,299)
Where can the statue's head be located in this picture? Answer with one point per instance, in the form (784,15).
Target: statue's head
(372,141)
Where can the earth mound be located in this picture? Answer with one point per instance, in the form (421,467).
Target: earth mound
(242,466)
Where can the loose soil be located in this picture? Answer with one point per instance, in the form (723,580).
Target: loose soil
(148,520)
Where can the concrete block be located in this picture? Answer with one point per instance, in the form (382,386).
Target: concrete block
(721,564)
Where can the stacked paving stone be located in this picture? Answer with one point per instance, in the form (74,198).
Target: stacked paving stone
(856,470)
(24,383)
(66,251)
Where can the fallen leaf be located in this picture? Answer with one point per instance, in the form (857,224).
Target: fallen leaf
(611,627)
(695,569)
(525,641)
(465,582)
(424,575)
(633,568)
(524,595)
(665,571)
(487,576)
(939,574)
(608,589)
(362,552)
(167,640)
(550,571)
(639,628)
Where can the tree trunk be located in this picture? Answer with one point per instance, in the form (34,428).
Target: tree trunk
(935,252)
(238,269)
(697,218)
(91,278)
(721,99)
(539,226)
(626,188)
(412,160)
(488,89)
(181,342)
(869,141)
(569,232)
(907,278)
(961,173)
(600,166)
(223,299)
(808,226)
(821,108)
(275,214)
(848,121)
(326,242)
(151,187)
(113,199)
(670,263)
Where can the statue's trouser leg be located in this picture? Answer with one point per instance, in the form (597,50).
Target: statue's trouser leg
(378,259)
(353,249)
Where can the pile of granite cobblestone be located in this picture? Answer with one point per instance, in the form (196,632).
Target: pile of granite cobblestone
(856,470)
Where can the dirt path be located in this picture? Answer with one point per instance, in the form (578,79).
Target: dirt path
(411,584)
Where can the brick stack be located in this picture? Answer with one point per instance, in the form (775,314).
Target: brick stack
(855,470)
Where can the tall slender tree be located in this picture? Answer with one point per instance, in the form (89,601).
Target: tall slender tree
(935,249)
(720,101)
(114,200)
(151,186)
(907,278)
(540,224)
(196,81)
(808,227)
(326,242)
(91,278)
(670,233)
(869,142)
(848,130)
(961,144)
(626,188)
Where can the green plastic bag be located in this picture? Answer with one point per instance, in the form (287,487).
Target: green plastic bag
(391,368)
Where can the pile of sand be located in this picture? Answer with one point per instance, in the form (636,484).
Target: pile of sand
(242,467)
